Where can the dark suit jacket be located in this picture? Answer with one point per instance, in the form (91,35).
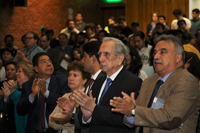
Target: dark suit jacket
(54,56)
(57,88)
(103,119)
(82,127)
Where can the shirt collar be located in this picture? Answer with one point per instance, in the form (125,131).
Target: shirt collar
(31,49)
(165,77)
(47,49)
(94,77)
(115,74)
(47,80)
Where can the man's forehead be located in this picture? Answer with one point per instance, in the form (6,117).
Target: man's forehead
(43,57)
(29,35)
(43,38)
(108,44)
(164,44)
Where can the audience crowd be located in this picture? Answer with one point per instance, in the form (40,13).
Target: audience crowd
(103,79)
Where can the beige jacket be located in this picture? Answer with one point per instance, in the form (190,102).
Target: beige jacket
(181,94)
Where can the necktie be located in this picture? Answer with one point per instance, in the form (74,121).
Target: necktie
(106,88)
(90,85)
(41,117)
(158,84)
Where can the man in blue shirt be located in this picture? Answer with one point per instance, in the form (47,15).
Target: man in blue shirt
(31,49)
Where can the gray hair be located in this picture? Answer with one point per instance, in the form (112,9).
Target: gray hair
(120,48)
(177,44)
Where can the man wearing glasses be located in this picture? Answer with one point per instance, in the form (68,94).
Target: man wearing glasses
(98,114)
(31,49)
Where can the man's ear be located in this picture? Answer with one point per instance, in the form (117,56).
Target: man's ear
(178,57)
(120,59)
(94,59)
(36,68)
(186,65)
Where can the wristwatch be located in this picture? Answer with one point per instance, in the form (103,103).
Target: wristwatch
(133,111)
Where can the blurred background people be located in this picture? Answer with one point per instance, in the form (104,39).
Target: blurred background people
(134,63)
(152,24)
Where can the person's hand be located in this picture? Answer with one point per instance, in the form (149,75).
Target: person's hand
(20,54)
(85,101)
(62,119)
(66,104)
(6,91)
(123,105)
(86,114)
(42,85)
(35,87)
(12,85)
(150,33)
(62,55)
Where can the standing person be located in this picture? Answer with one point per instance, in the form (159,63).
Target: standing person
(173,105)
(126,30)
(70,28)
(134,63)
(195,21)
(79,23)
(64,54)
(7,55)
(39,95)
(9,39)
(53,40)
(178,14)
(111,20)
(77,78)
(91,65)
(162,19)
(135,27)
(152,24)
(31,49)
(12,93)
(2,71)
(98,114)
(44,43)
(142,47)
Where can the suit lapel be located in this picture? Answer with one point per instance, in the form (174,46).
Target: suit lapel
(52,83)
(114,86)
(96,87)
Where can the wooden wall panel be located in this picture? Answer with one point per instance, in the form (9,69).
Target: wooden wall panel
(141,10)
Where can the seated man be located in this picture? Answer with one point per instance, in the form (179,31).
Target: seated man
(39,95)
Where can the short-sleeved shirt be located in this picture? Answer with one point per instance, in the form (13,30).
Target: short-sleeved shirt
(174,24)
